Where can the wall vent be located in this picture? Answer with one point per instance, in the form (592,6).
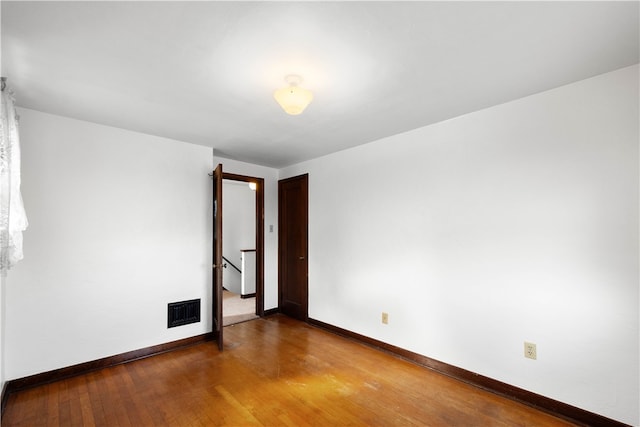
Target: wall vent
(183,313)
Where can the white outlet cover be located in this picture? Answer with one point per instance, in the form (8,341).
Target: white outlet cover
(530,351)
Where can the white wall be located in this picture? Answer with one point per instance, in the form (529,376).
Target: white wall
(119,226)
(518,222)
(238,228)
(270,177)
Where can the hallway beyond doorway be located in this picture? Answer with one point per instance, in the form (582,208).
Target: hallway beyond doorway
(236,309)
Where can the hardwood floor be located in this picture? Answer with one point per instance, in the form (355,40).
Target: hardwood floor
(274,371)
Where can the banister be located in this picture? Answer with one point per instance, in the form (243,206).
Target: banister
(232,265)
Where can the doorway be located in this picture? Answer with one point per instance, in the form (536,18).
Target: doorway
(239,252)
(218,265)
(293,288)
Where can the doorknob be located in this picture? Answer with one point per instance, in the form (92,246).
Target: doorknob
(301,258)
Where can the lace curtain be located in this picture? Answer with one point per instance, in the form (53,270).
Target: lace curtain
(13,220)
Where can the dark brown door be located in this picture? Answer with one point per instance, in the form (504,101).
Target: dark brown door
(292,246)
(216,274)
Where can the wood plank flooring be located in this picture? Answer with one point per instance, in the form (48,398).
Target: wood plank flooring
(274,372)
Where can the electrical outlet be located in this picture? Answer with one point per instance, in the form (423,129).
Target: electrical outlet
(530,351)
(385,318)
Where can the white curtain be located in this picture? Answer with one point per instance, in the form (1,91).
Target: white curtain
(13,220)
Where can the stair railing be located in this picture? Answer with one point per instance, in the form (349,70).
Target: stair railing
(231,264)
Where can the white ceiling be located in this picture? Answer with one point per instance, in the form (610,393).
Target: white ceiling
(204,72)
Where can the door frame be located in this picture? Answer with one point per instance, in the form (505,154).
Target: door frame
(259,234)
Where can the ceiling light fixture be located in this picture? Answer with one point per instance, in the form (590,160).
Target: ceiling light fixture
(293,99)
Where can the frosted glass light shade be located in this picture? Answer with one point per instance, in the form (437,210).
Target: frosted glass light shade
(293,99)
